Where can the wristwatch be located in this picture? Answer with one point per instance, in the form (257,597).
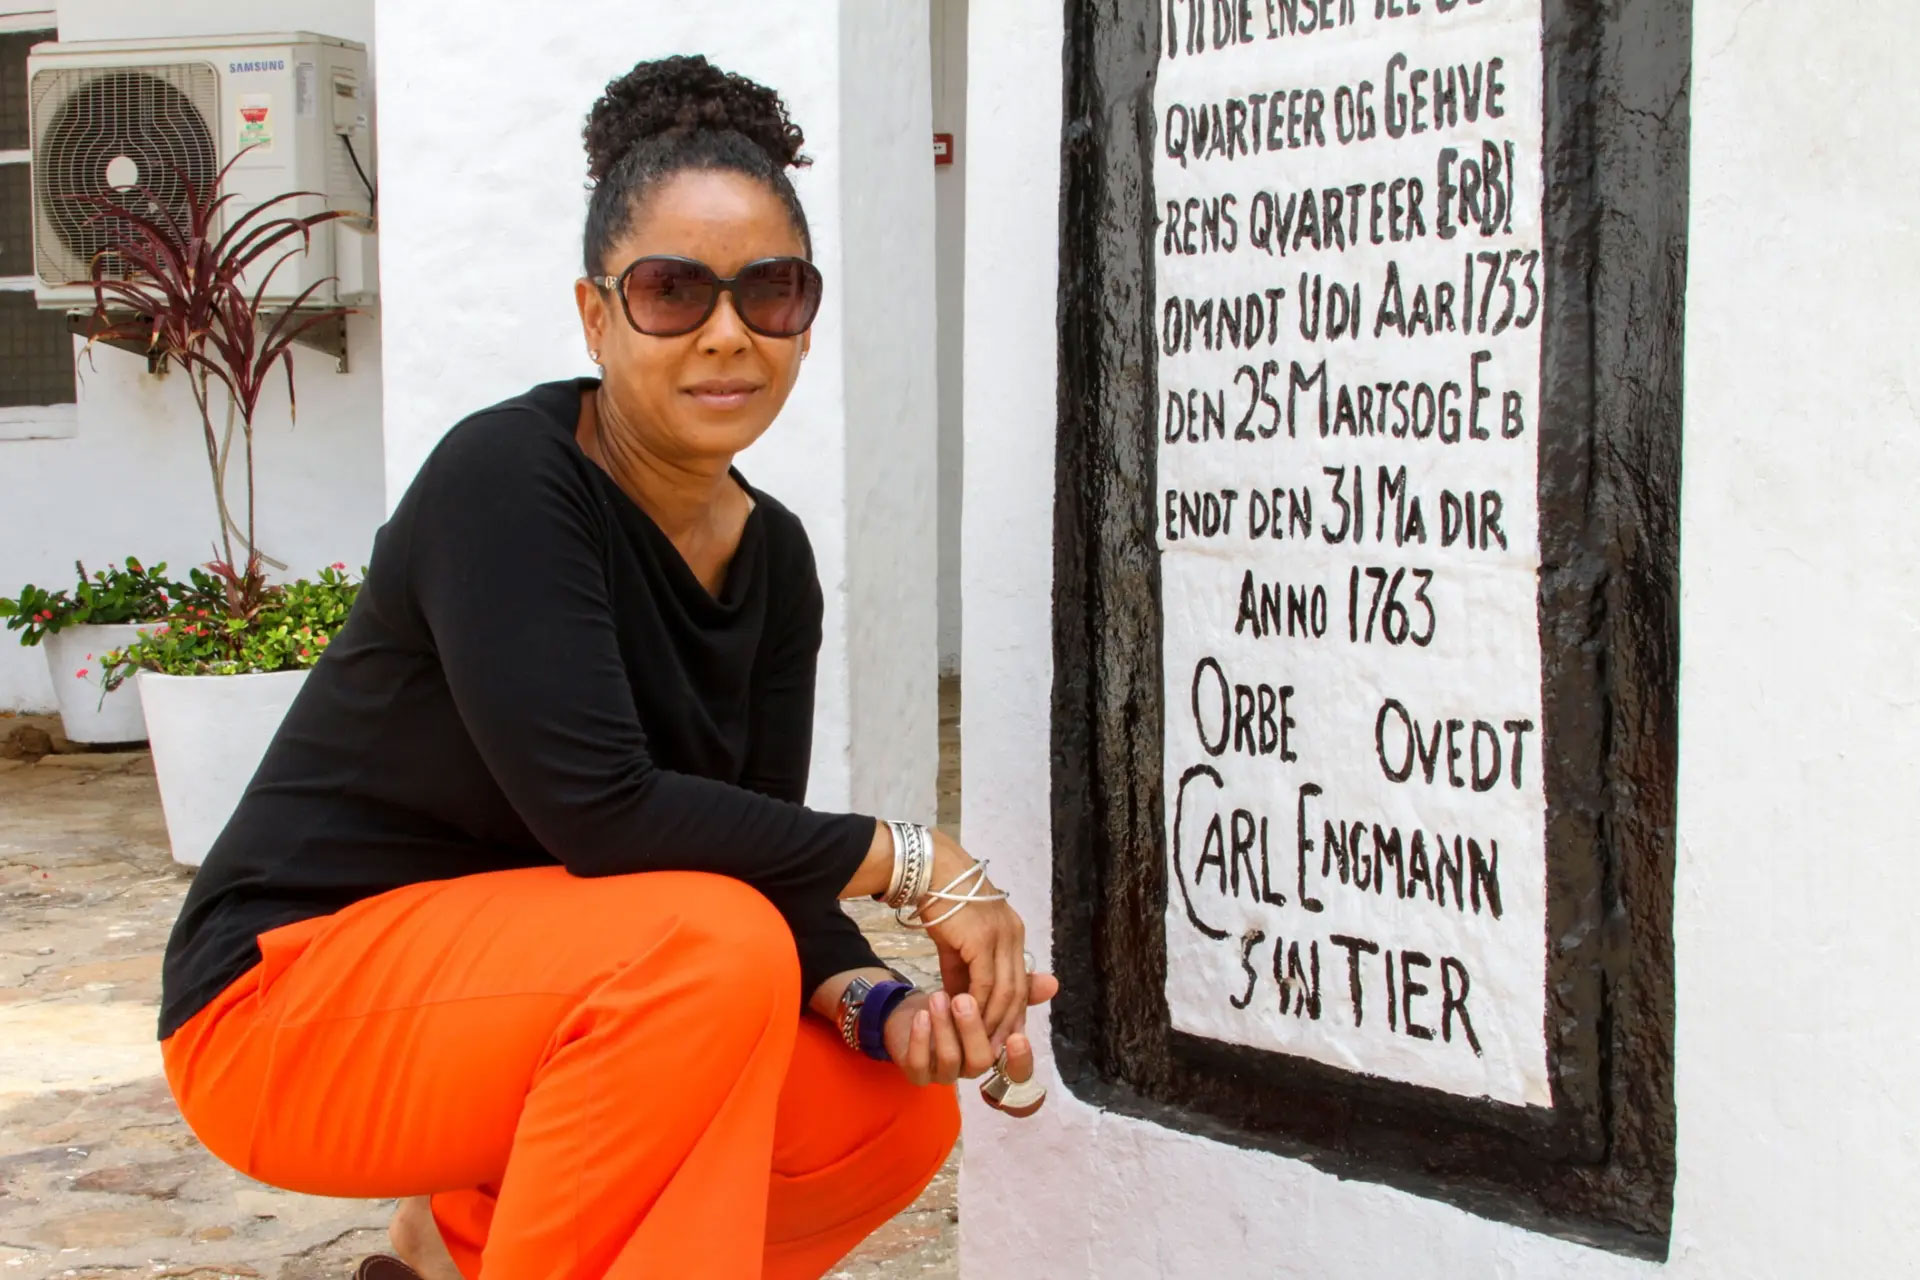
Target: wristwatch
(863,1033)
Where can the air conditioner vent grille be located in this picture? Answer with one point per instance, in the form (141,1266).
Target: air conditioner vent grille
(97,128)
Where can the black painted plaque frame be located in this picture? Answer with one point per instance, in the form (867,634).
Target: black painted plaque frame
(1598,1166)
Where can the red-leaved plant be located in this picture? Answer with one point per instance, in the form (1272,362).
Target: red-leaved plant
(179,267)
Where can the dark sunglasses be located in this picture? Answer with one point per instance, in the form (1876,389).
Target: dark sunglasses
(665,297)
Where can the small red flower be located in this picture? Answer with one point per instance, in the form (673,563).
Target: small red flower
(339,566)
(305,653)
(81,674)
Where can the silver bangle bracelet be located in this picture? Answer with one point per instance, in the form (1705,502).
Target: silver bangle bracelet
(899,864)
(922,877)
(912,864)
(964,890)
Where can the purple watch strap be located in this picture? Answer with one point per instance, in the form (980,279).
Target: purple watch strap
(880,1002)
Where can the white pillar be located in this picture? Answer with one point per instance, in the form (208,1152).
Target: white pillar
(888,373)
(481,208)
(950,257)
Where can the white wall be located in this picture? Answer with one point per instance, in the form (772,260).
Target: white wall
(143,19)
(1799,1146)
(482,204)
(949,18)
(133,479)
(1030,1192)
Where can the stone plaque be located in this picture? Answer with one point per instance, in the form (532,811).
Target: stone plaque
(1349,302)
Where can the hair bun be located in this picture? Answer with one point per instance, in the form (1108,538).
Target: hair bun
(683,94)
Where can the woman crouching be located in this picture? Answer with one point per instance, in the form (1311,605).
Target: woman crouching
(523,919)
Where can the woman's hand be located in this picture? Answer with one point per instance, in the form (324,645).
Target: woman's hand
(982,948)
(938,1039)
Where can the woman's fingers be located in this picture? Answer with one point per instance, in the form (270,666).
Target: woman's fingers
(981,975)
(1019,1058)
(988,938)
(992,1005)
(1016,1014)
(977,1049)
(946,1040)
(1009,992)
(1041,987)
(918,1065)
(955,975)
(982,952)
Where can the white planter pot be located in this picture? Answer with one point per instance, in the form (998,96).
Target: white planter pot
(73,660)
(208,734)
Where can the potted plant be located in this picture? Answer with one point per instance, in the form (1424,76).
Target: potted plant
(185,279)
(100,613)
(217,677)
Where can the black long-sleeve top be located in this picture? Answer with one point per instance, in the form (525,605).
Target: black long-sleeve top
(531,675)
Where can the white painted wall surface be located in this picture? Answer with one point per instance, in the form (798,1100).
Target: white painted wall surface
(949,18)
(482,205)
(1029,1191)
(1800,752)
(144,19)
(132,479)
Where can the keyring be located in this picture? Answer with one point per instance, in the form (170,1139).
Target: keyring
(1017,1098)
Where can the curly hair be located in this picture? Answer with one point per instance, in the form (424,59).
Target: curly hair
(677,114)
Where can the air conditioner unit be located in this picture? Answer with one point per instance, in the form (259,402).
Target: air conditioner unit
(123,114)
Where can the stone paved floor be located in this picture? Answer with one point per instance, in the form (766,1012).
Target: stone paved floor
(99,1176)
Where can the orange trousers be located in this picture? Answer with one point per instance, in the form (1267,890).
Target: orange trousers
(592,1077)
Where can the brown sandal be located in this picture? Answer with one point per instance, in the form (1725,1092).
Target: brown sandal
(384,1266)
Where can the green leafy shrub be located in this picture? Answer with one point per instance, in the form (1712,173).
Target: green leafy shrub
(228,625)
(122,595)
